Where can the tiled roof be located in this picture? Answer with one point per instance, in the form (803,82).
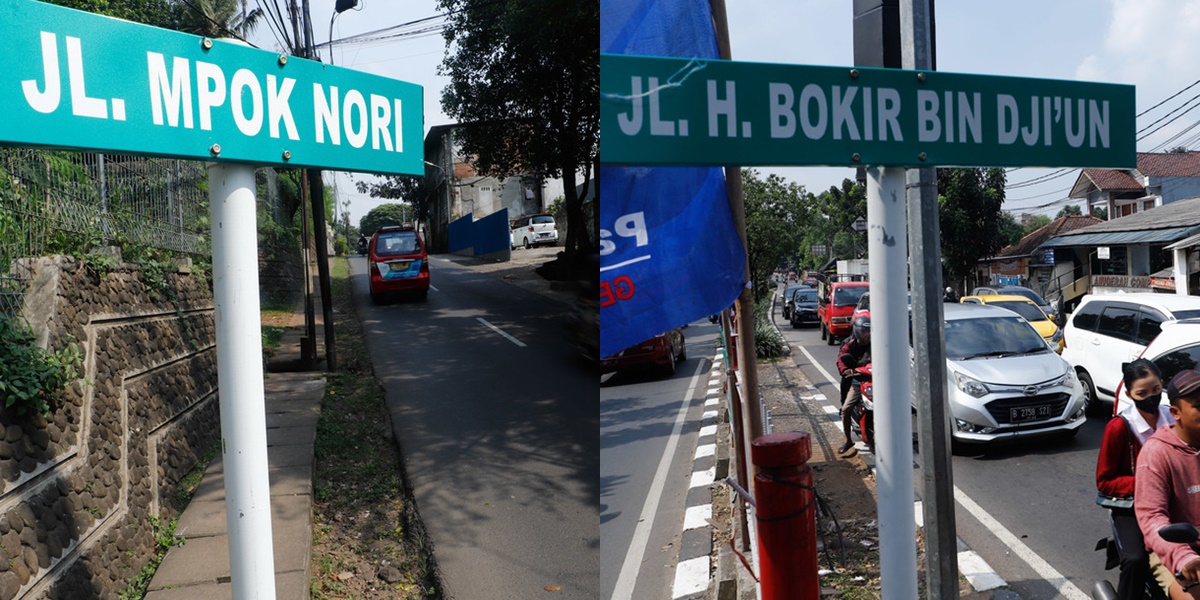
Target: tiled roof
(1169,165)
(1113,180)
(1036,238)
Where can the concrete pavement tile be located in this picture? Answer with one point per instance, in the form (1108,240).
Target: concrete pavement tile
(288,586)
(291,481)
(200,560)
(202,518)
(288,436)
(293,455)
(212,487)
(293,418)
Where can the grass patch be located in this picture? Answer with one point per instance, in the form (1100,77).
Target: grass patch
(271,335)
(364,522)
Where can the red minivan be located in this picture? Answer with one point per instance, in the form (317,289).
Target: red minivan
(835,307)
(397,262)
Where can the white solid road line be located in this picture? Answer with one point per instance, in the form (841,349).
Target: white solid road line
(1043,568)
(501,332)
(641,534)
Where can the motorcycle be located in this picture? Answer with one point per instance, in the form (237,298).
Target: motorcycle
(362,247)
(1178,533)
(863,415)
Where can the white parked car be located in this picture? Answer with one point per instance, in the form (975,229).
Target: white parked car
(533,230)
(1177,348)
(1109,329)
(1004,379)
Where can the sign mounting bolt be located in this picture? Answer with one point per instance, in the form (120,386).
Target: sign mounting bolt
(215,150)
(921,77)
(855,157)
(922,156)
(206,44)
(853,73)
(282,59)
(287,155)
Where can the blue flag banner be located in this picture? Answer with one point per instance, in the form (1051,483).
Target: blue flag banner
(669,251)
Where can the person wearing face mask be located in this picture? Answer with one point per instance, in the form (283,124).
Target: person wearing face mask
(1124,436)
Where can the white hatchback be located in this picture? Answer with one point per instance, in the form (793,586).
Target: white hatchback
(1177,348)
(1004,380)
(1109,329)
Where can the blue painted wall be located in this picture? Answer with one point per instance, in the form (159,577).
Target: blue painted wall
(460,236)
(490,234)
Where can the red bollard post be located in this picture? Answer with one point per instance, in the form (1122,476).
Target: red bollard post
(786,517)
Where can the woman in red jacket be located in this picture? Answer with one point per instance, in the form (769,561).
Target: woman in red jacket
(1123,439)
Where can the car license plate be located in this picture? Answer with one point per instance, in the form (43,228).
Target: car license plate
(1029,413)
(398,266)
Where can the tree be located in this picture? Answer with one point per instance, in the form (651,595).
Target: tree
(1100,212)
(1035,223)
(219,18)
(969,203)
(1069,209)
(834,212)
(384,214)
(1178,150)
(1011,231)
(775,213)
(159,13)
(412,190)
(525,83)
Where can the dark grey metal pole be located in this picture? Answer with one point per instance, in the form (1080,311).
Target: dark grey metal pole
(929,341)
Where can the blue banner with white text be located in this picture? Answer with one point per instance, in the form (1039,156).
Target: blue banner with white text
(669,251)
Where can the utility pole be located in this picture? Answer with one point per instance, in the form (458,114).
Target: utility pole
(317,198)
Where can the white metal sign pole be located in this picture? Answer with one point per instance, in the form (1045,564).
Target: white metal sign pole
(240,369)
(888,245)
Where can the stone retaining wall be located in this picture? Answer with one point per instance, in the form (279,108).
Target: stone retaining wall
(79,488)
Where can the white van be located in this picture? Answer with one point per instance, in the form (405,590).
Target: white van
(1109,329)
(533,230)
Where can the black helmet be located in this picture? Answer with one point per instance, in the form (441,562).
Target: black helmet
(861,326)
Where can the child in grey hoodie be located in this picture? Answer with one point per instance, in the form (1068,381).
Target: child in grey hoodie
(1167,488)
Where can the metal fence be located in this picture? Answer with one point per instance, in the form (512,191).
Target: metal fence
(68,202)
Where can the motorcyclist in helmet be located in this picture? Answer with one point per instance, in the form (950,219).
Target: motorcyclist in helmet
(856,352)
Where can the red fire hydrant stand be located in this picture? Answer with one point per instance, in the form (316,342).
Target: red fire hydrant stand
(785,516)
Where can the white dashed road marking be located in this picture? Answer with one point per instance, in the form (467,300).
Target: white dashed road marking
(510,338)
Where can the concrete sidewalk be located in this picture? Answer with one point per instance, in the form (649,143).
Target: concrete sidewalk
(199,569)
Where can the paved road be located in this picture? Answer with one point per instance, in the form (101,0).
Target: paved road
(500,441)
(1041,492)
(638,416)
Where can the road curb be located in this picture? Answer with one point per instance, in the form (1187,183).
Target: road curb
(726,584)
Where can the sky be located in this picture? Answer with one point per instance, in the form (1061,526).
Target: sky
(414,59)
(1151,44)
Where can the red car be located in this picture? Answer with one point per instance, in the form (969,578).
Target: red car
(662,351)
(397,262)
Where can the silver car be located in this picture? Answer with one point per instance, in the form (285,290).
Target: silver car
(1004,381)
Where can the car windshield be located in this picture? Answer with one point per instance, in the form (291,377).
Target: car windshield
(394,244)
(542,219)
(1025,309)
(805,295)
(791,289)
(1032,295)
(991,336)
(848,296)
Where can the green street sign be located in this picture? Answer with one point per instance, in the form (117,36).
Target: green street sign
(672,111)
(76,80)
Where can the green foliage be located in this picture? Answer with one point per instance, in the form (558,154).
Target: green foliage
(1070,209)
(1011,231)
(411,190)
(768,343)
(834,213)
(775,215)
(1100,213)
(526,76)
(969,202)
(164,540)
(1035,223)
(384,214)
(556,206)
(30,376)
(159,13)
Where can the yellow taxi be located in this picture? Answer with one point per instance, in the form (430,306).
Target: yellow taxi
(1028,310)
